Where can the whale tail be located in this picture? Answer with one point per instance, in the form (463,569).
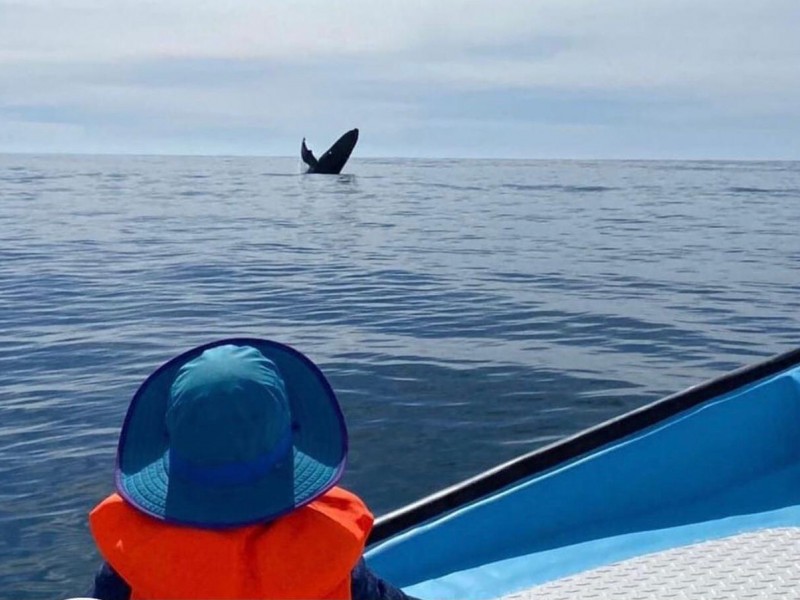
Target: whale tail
(334,159)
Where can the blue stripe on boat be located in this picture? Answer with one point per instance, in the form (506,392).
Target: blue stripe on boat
(729,465)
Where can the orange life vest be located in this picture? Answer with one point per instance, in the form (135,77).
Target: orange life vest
(306,554)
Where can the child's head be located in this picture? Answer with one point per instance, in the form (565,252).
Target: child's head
(235,432)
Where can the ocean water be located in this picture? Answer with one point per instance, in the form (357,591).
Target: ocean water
(464,311)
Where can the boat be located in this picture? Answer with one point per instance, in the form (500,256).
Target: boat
(696,495)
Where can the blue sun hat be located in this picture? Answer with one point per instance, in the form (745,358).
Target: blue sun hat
(235,432)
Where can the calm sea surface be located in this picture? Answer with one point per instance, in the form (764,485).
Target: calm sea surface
(465,311)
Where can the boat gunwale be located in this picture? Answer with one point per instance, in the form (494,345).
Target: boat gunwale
(574,446)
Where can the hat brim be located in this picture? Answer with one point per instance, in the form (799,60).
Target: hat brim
(319,438)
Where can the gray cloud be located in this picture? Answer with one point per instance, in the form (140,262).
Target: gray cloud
(208,76)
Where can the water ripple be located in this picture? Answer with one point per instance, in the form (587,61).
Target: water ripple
(478,308)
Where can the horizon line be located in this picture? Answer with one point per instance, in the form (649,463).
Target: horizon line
(387,157)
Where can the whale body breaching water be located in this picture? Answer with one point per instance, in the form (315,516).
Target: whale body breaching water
(334,159)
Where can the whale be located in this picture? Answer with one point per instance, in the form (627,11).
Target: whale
(333,161)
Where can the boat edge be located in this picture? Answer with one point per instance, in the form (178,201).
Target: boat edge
(509,473)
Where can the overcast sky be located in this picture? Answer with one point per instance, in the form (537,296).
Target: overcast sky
(437,78)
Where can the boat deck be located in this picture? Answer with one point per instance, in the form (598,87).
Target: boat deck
(752,565)
(695,496)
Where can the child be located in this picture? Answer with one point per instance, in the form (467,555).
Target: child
(226,477)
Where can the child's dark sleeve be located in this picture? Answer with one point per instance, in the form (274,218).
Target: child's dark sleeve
(366,585)
(109,586)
